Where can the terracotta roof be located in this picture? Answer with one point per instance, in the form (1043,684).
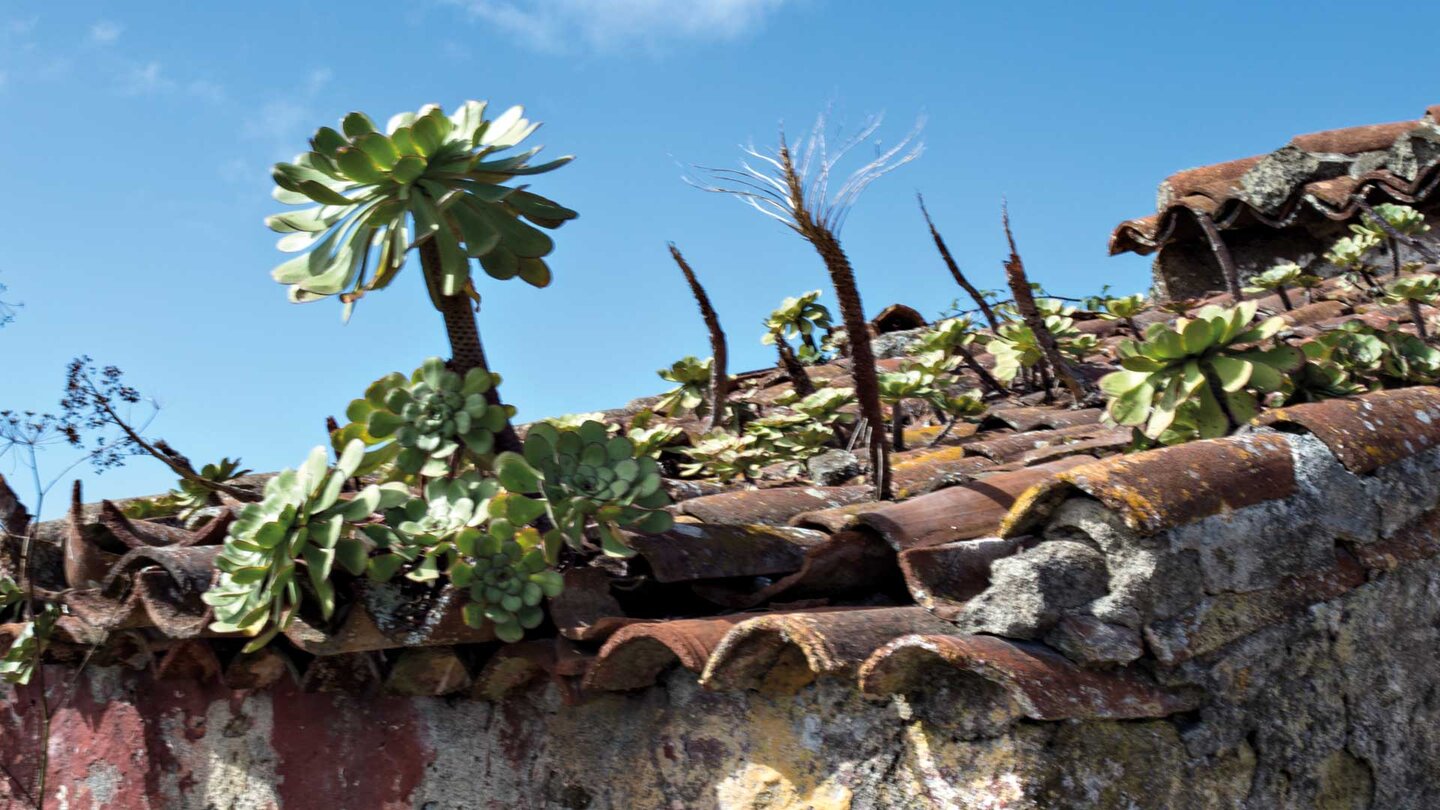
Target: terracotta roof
(1321,173)
(771,587)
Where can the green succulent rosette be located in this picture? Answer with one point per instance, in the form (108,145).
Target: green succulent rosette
(421,423)
(1200,378)
(587,477)
(374,195)
(472,532)
(286,545)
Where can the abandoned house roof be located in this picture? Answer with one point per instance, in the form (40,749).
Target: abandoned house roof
(1325,174)
(774,585)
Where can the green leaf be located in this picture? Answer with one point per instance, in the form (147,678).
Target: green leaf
(522,510)
(1198,336)
(350,458)
(1232,372)
(515,474)
(356,124)
(654,522)
(383,568)
(1242,405)
(351,552)
(1210,420)
(323,194)
(1132,407)
(534,272)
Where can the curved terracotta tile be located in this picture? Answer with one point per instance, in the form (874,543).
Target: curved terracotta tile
(1368,431)
(1043,684)
(783,652)
(849,564)
(693,551)
(768,507)
(1171,486)
(959,513)
(636,655)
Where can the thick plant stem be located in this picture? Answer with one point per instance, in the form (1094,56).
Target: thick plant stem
(1025,303)
(1395,235)
(1418,317)
(1284,297)
(986,378)
(799,378)
(897,426)
(1222,255)
(862,357)
(466,350)
(955,268)
(719,377)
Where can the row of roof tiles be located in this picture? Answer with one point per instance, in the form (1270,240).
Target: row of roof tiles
(1325,172)
(773,587)
(937,546)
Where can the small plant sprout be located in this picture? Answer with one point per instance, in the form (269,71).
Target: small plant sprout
(692,378)
(725,457)
(802,316)
(956,338)
(1277,278)
(649,439)
(1413,291)
(1391,223)
(898,386)
(1200,378)
(1351,254)
(956,407)
(1125,309)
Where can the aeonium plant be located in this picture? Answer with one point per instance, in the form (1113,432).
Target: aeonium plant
(1201,377)
(425,176)
(475,534)
(428,423)
(285,546)
(586,477)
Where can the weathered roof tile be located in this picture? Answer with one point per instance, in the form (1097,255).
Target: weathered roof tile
(1171,486)
(1042,683)
(636,655)
(957,513)
(702,551)
(768,507)
(1369,431)
(785,651)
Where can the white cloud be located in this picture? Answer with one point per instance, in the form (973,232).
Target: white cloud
(105,32)
(144,79)
(19,27)
(316,81)
(606,25)
(277,120)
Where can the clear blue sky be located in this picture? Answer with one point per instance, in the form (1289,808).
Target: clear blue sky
(137,140)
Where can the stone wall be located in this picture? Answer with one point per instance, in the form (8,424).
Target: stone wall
(1336,708)
(1248,622)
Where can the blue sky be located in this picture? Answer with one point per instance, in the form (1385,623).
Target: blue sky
(136,145)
